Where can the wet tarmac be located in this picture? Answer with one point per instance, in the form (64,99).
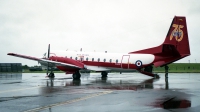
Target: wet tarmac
(119,92)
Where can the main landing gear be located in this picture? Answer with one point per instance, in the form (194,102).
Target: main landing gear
(51,75)
(76,75)
(104,74)
(166,71)
(166,77)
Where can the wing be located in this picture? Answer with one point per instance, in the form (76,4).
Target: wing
(53,61)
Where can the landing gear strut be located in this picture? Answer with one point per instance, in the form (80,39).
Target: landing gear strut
(51,74)
(104,74)
(76,75)
(166,77)
(166,71)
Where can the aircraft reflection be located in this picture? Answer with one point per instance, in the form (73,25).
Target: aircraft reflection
(105,83)
(75,83)
(166,82)
(172,103)
(50,83)
(124,85)
(101,83)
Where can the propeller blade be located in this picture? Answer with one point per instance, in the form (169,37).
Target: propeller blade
(48,51)
(48,58)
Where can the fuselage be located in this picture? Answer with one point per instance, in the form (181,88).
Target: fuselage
(100,61)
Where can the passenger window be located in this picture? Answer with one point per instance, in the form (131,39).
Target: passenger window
(104,60)
(92,59)
(110,60)
(87,59)
(116,60)
(98,59)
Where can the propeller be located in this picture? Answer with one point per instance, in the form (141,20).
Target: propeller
(48,53)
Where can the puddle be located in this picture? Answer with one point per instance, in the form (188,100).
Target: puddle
(172,103)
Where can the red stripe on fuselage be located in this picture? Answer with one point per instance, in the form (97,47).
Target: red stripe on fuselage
(90,63)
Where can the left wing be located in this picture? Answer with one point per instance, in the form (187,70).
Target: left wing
(54,61)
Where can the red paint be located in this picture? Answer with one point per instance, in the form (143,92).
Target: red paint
(67,60)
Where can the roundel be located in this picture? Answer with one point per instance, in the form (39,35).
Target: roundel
(138,63)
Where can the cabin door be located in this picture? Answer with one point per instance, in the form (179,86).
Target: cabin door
(125,61)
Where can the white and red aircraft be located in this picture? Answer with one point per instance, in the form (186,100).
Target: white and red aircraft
(175,47)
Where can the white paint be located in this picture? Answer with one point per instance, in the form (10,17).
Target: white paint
(97,68)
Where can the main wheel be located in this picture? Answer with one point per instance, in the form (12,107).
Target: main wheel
(104,74)
(76,75)
(51,75)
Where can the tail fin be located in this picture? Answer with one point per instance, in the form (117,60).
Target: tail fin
(178,36)
(175,46)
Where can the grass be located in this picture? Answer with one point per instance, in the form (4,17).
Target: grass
(180,68)
(173,68)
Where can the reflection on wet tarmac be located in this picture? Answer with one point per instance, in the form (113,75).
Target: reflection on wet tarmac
(142,92)
(104,83)
(176,103)
(166,81)
(172,103)
(50,82)
(10,76)
(123,85)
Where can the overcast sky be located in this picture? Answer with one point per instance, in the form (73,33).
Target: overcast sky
(28,26)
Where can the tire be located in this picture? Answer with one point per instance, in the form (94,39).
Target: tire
(51,75)
(104,74)
(76,75)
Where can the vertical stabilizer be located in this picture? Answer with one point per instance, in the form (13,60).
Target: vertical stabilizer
(178,36)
